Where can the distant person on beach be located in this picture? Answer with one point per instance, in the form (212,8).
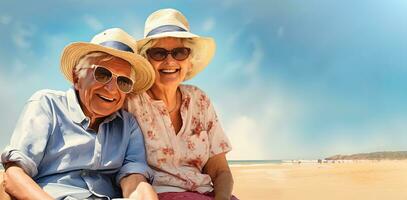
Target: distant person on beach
(185,143)
(80,144)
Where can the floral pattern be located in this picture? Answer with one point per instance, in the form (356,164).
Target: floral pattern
(178,158)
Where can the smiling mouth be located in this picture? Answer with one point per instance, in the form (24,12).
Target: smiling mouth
(168,71)
(107,99)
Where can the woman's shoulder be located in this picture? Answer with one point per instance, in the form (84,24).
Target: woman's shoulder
(193,91)
(136,99)
(195,96)
(134,103)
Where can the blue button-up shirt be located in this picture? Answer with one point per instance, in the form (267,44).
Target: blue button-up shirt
(52,142)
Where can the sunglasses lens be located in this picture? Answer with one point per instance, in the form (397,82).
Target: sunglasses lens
(125,84)
(102,75)
(180,53)
(157,54)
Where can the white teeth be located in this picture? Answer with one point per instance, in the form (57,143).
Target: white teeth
(106,98)
(168,70)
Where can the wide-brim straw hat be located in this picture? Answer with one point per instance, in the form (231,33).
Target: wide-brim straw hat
(115,42)
(172,23)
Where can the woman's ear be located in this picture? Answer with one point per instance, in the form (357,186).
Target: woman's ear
(189,69)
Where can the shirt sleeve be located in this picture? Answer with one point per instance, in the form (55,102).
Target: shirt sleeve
(135,161)
(219,142)
(30,136)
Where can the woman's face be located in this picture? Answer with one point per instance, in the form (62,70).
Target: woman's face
(169,72)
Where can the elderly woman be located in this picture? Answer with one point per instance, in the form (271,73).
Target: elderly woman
(185,142)
(80,144)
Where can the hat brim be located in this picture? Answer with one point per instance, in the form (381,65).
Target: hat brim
(204,48)
(144,73)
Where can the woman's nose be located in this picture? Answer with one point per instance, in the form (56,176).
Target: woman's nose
(170,60)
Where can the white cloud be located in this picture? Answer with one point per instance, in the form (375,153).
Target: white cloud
(259,118)
(134,26)
(383,135)
(22,35)
(256,57)
(280,32)
(18,67)
(269,134)
(230,3)
(234,36)
(208,24)
(55,43)
(242,131)
(5,19)
(11,102)
(137,30)
(93,23)
(231,40)
(249,65)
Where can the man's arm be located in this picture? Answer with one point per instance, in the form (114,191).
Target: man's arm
(135,186)
(21,186)
(218,169)
(27,147)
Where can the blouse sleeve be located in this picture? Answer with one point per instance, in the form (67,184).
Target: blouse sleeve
(219,142)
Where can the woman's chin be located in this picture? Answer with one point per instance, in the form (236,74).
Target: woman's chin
(171,79)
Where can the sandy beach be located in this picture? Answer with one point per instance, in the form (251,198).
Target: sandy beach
(370,180)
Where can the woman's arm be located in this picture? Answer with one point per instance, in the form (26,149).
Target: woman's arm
(21,186)
(135,186)
(218,169)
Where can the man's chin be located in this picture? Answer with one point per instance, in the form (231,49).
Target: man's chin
(104,112)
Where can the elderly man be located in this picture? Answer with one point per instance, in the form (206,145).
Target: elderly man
(79,144)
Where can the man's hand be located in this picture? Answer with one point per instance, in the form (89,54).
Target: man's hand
(144,191)
(135,186)
(19,185)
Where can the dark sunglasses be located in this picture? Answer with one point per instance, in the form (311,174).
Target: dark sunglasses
(104,75)
(160,54)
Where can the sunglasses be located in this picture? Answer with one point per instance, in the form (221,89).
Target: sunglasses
(104,75)
(160,54)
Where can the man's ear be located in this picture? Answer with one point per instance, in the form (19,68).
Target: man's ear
(75,80)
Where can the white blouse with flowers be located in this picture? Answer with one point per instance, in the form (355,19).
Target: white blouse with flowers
(178,159)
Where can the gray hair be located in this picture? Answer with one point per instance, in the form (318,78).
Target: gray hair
(187,42)
(94,57)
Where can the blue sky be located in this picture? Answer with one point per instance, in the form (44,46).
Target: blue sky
(290,79)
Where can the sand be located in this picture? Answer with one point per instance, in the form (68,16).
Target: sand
(370,180)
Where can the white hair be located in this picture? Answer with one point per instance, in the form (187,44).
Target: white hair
(94,57)
(187,42)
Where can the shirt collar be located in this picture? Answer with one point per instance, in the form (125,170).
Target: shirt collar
(74,108)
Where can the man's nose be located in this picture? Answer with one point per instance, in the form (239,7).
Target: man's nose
(111,85)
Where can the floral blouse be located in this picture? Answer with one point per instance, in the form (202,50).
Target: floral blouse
(178,159)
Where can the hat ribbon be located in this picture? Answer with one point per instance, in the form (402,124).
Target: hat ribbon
(166,28)
(117,45)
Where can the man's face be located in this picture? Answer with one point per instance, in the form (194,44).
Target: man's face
(98,99)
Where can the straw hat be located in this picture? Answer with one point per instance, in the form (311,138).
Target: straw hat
(115,42)
(172,23)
